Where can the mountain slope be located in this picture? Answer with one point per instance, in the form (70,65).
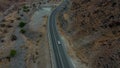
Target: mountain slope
(93,27)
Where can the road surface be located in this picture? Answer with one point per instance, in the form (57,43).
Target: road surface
(61,59)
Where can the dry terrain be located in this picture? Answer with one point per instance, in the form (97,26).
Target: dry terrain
(92,28)
(23,34)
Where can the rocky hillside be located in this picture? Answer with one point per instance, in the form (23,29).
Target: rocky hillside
(93,27)
(5,4)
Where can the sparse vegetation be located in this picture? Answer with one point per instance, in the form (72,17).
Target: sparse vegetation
(9,26)
(18,18)
(2,41)
(22,24)
(34,5)
(11,21)
(3,20)
(22,31)
(8,58)
(2,25)
(13,37)
(5,31)
(13,53)
(26,9)
(21,15)
(40,35)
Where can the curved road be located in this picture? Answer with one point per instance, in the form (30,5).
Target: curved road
(61,59)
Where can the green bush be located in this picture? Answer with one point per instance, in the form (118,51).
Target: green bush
(25,7)
(22,24)
(13,53)
(22,31)
(18,18)
(26,10)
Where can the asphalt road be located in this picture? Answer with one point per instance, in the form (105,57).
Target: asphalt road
(61,59)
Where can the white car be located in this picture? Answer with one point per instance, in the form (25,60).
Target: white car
(58,42)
